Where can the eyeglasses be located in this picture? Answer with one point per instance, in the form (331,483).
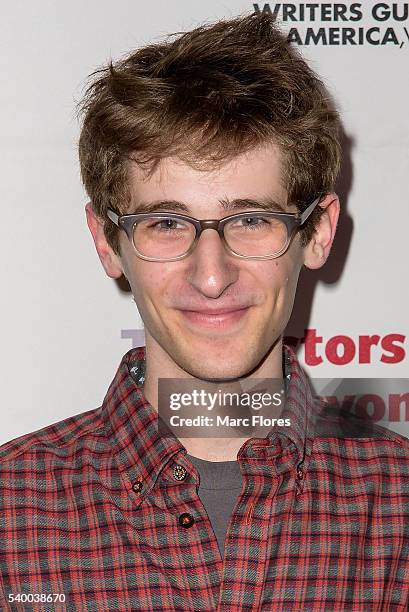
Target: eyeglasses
(257,234)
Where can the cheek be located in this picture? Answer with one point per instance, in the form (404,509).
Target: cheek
(280,275)
(280,278)
(150,283)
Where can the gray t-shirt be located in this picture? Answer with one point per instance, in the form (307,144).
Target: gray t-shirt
(220,485)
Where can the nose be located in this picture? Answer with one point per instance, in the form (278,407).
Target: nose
(212,269)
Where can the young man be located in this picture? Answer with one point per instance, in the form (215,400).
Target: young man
(210,162)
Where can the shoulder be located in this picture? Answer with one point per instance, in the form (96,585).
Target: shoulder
(57,443)
(362,442)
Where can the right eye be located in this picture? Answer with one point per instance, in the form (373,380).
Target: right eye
(166,225)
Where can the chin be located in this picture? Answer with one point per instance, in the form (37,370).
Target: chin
(217,368)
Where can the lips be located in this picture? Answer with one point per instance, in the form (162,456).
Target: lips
(221,319)
(218,311)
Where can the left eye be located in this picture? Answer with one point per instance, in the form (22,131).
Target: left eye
(167,224)
(253,221)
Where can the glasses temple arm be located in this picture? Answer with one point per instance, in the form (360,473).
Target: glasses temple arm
(306,213)
(113,216)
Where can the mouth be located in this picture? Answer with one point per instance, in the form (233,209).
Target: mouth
(220,320)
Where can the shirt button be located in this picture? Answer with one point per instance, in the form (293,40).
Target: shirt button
(137,486)
(179,472)
(186,520)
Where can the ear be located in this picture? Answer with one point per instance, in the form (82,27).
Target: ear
(110,261)
(317,250)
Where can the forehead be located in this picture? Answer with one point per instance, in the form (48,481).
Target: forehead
(256,174)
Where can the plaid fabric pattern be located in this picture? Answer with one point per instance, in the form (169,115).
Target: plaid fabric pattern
(90,508)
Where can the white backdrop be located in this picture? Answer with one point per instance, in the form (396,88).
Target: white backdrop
(64,325)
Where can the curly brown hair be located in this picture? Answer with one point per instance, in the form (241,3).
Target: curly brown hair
(207,95)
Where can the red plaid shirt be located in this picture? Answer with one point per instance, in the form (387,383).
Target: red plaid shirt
(93,513)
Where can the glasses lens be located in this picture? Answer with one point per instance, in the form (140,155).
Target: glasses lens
(163,237)
(256,235)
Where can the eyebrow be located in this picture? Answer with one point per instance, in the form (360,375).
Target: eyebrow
(227,205)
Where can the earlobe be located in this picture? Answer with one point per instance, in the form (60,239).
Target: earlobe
(110,261)
(317,250)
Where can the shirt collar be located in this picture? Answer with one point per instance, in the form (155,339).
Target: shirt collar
(141,452)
